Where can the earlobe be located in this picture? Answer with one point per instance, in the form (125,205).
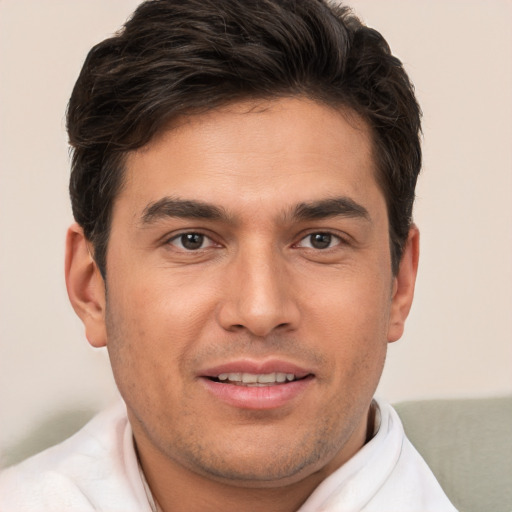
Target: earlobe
(403,285)
(86,289)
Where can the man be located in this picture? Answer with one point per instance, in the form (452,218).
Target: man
(242,182)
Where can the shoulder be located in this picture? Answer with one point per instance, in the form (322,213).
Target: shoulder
(96,465)
(409,483)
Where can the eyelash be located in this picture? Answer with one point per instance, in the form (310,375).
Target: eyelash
(332,237)
(180,236)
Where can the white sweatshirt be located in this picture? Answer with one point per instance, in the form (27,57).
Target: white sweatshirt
(97,469)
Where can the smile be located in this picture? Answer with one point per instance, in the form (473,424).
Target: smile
(246,384)
(255,379)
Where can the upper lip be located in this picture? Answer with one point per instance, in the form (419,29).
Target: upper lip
(256,367)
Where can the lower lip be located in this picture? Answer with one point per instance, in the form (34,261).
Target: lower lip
(257,397)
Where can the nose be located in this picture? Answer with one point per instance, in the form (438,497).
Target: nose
(258,295)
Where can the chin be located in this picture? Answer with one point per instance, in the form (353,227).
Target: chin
(261,460)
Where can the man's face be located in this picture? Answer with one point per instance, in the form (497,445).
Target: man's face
(251,244)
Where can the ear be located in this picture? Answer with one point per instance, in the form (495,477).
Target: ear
(403,285)
(85,285)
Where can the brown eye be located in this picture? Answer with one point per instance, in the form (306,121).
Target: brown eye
(319,241)
(190,241)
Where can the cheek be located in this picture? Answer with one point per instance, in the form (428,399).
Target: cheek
(156,320)
(148,330)
(351,303)
(158,305)
(351,318)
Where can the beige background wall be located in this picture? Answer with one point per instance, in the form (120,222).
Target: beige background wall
(459,337)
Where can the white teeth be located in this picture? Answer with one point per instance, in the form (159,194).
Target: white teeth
(256,379)
(267,378)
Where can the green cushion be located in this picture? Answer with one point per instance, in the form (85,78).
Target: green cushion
(468,446)
(49,431)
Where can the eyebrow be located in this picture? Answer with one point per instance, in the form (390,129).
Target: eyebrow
(181,208)
(333,207)
(193,209)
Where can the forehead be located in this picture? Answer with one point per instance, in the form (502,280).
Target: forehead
(290,149)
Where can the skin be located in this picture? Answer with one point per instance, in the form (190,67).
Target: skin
(257,289)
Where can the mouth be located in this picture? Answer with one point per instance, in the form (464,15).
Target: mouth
(256,379)
(257,386)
